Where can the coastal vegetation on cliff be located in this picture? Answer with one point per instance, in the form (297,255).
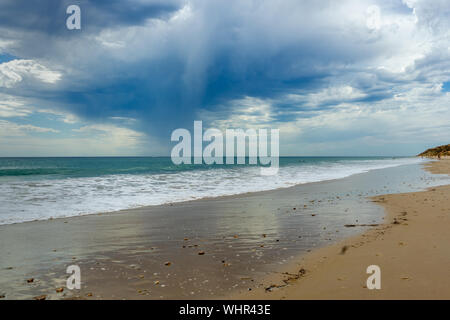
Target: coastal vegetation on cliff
(441,151)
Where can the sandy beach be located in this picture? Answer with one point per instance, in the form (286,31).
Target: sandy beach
(241,246)
(411,249)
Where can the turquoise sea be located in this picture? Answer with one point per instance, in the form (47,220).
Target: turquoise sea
(43,188)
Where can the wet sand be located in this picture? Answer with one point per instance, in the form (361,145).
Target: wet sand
(412,250)
(203,249)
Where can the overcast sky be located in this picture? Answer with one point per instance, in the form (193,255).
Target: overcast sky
(336,77)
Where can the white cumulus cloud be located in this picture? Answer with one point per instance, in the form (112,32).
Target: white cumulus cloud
(17,70)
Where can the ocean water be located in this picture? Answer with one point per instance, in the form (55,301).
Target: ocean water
(43,188)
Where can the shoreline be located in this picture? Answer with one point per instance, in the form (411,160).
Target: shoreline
(207,198)
(410,247)
(246,238)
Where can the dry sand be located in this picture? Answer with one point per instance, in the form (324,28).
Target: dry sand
(412,250)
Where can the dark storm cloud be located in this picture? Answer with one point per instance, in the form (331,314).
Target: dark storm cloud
(200,55)
(49,16)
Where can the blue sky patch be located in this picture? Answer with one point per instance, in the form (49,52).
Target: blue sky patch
(5,57)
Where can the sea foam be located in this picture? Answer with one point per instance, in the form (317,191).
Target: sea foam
(37,199)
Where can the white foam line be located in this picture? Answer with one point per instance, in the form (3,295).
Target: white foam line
(40,200)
